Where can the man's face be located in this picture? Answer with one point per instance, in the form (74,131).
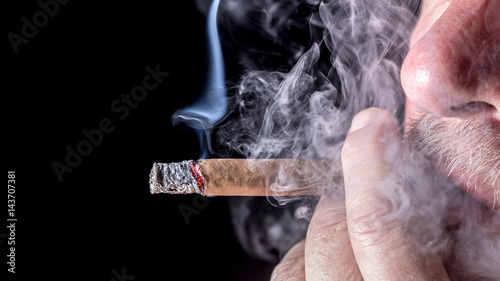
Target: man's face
(451,78)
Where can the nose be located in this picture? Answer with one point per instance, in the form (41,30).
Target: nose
(454,69)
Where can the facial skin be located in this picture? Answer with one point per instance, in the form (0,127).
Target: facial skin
(452,77)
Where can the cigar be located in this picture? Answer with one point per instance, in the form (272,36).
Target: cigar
(241,177)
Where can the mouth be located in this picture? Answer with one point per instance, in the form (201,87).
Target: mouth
(476,186)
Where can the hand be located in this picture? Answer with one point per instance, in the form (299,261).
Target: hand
(351,239)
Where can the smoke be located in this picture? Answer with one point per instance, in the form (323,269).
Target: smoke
(346,57)
(325,62)
(262,229)
(211,105)
(305,113)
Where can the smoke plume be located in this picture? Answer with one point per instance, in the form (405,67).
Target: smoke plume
(325,62)
(340,57)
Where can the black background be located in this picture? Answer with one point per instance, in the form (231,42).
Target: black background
(102,218)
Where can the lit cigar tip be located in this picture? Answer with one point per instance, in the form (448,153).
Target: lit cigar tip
(154,186)
(175,178)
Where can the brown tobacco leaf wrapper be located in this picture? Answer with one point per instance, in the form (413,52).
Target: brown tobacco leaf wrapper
(240,177)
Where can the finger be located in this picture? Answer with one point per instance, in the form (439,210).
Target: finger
(383,249)
(328,252)
(291,266)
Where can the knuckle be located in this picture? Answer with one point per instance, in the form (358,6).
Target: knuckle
(326,231)
(292,265)
(289,269)
(371,229)
(326,225)
(279,273)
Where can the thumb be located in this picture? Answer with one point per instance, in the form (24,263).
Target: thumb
(383,248)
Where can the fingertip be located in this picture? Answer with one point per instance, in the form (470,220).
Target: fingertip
(370,117)
(364,118)
(372,131)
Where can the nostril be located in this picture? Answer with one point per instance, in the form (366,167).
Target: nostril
(472,108)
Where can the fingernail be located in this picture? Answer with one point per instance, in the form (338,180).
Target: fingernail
(364,118)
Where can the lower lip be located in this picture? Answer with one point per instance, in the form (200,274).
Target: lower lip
(483,194)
